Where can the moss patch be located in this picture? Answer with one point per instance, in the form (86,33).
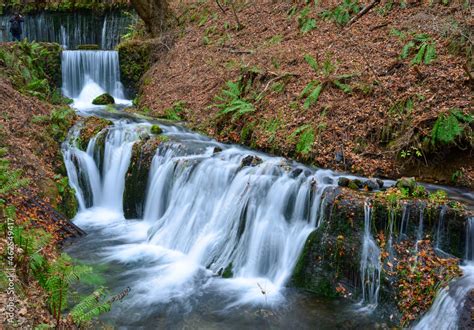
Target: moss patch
(92,126)
(135,59)
(136,178)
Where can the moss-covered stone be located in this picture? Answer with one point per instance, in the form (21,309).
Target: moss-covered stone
(91,127)
(104,99)
(135,59)
(137,175)
(228,272)
(156,129)
(330,258)
(88,47)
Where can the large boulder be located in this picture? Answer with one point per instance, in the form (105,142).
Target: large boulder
(104,99)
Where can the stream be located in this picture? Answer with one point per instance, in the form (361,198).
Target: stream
(204,214)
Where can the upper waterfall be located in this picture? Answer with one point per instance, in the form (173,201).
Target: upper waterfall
(72,29)
(87,74)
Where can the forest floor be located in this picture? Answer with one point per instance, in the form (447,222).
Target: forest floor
(376,112)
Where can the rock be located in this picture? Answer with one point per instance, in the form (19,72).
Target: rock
(88,47)
(251,160)
(296,172)
(353,185)
(343,182)
(358,183)
(371,184)
(103,99)
(339,156)
(407,183)
(216,150)
(380,183)
(155,129)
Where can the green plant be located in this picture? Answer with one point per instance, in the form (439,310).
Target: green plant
(61,120)
(342,13)
(175,112)
(452,126)
(306,23)
(10,180)
(327,76)
(90,307)
(422,46)
(306,137)
(232,101)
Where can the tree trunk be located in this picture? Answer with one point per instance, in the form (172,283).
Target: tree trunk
(155,13)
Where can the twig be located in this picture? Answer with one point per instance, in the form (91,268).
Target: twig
(222,9)
(379,26)
(363,11)
(232,5)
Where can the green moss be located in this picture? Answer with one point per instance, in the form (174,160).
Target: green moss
(135,59)
(228,273)
(156,129)
(137,176)
(69,205)
(32,68)
(91,127)
(62,5)
(104,99)
(88,47)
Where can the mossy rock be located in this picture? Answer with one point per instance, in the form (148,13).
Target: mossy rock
(156,129)
(136,57)
(88,47)
(91,127)
(137,175)
(104,99)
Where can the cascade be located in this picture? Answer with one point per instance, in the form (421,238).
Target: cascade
(440,228)
(203,211)
(404,222)
(370,265)
(449,302)
(72,29)
(87,74)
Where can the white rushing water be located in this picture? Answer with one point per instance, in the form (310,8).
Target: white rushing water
(204,213)
(370,265)
(87,74)
(449,302)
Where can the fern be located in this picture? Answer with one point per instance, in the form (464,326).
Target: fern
(232,101)
(450,127)
(306,23)
(423,47)
(313,96)
(342,13)
(314,88)
(10,180)
(90,307)
(305,142)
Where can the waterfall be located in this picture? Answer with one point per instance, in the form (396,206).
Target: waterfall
(404,222)
(87,74)
(370,266)
(440,228)
(73,29)
(92,187)
(449,302)
(204,212)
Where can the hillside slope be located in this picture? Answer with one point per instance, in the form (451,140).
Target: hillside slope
(377,110)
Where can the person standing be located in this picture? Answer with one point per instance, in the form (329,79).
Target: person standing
(16,26)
